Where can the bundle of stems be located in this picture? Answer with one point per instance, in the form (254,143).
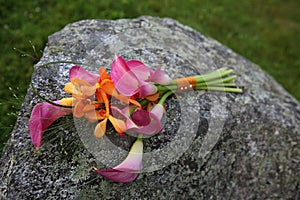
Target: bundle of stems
(219,80)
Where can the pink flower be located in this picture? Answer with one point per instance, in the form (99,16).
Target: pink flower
(128,170)
(141,121)
(132,77)
(146,123)
(42,116)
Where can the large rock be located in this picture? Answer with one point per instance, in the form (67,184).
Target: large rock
(241,146)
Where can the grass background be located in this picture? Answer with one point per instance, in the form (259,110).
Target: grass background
(266,32)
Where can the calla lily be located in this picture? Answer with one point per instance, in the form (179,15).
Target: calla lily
(159,77)
(146,123)
(141,121)
(128,170)
(43,115)
(134,77)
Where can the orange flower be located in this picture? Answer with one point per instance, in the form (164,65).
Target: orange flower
(82,93)
(118,124)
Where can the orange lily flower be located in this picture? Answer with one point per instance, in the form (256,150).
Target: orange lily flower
(82,93)
(118,124)
(104,90)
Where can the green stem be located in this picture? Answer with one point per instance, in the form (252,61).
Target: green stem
(229,79)
(62,62)
(165,88)
(142,103)
(215,80)
(213,75)
(221,89)
(164,97)
(217,84)
(140,137)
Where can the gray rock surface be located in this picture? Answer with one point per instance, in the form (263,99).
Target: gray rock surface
(247,146)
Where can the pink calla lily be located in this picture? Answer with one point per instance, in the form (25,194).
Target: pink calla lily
(160,77)
(146,123)
(128,170)
(141,121)
(133,76)
(42,116)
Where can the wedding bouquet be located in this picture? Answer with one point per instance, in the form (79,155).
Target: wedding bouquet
(132,98)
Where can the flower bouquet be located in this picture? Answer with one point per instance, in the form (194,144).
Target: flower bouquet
(132,98)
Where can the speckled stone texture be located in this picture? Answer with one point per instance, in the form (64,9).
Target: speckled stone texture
(256,154)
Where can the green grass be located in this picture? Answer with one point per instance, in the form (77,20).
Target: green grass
(266,32)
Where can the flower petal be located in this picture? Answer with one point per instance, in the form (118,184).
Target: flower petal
(152,128)
(118,68)
(118,124)
(78,109)
(88,90)
(68,101)
(130,125)
(71,88)
(153,97)
(158,110)
(125,81)
(93,115)
(36,125)
(100,129)
(146,89)
(81,73)
(128,170)
(108,86)
(117,175)
(103,74)
(141,117)
(133,162)
(127,85)
(42,116)
(155,125)
(124,115)
(141,71)
(160,77)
